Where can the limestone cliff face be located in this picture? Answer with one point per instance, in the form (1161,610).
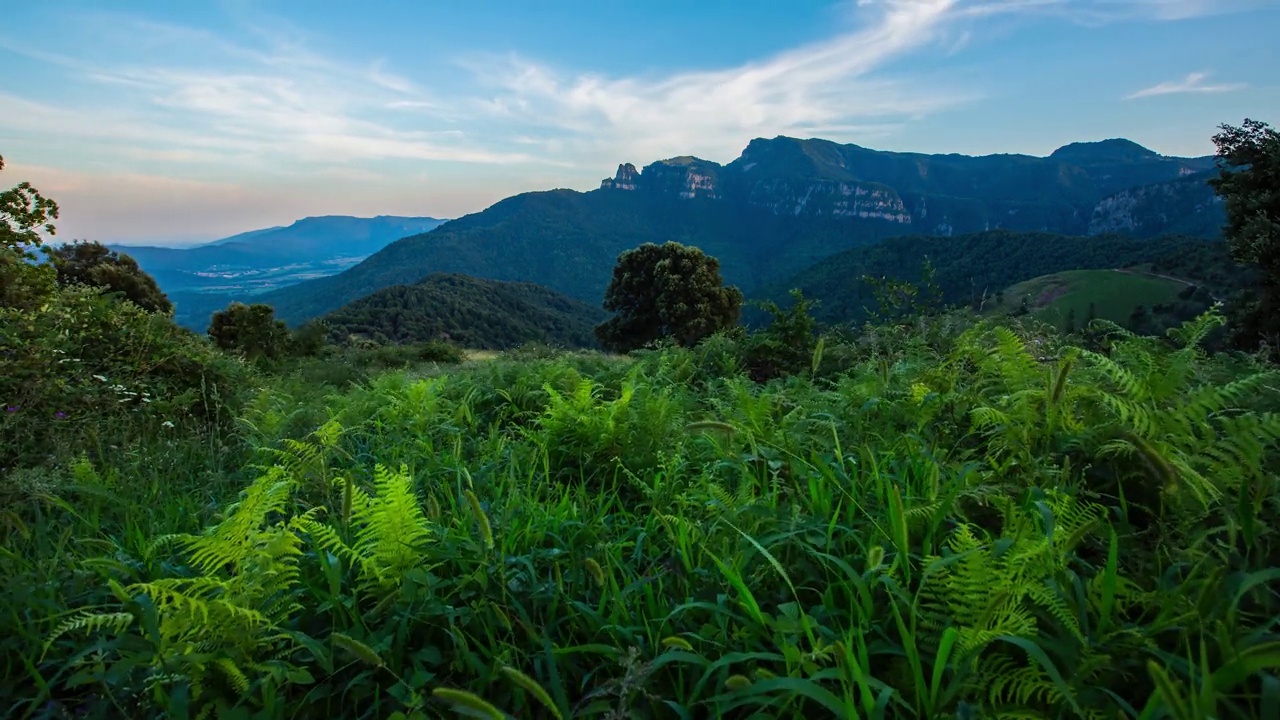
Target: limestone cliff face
(1080,188)
(625,179)
(1186,205)
(832,198)
(684,177)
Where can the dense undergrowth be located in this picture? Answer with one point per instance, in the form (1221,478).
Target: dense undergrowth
(944,518)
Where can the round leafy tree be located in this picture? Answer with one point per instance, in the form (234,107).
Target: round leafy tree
(666,291)
(94,264)
(250,330)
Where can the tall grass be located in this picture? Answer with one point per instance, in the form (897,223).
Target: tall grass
(938,522)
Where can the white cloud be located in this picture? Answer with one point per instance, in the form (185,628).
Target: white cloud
(1193,83)
(828,86)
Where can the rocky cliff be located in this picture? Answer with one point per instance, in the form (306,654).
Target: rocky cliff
(1186,205)
(1082,187)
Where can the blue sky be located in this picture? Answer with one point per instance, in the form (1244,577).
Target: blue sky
(164,121)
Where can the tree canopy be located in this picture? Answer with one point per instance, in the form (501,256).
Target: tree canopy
(250,330)
(91,263)
(666,291)
(24,212)
(1249,183)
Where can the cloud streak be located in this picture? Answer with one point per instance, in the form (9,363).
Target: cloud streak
(825,87)
(1193,83)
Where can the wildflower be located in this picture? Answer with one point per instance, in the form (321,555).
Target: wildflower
(11,408)
(60,415)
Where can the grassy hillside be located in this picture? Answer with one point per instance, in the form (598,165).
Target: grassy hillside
(1077,295)
(475,313)
(969,267)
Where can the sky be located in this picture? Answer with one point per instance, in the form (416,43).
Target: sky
(161,122)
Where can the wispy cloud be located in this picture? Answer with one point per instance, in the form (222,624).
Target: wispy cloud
(259,106)
(833,87)
(1193,83)
(144,100)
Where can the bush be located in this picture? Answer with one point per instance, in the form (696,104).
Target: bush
(83,366)
(251,331)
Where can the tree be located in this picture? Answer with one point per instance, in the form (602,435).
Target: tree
(250,330)
(94,264)
(24,212)
(1249,183)
(666,291)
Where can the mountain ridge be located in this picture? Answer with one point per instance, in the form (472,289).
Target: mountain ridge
(782,205)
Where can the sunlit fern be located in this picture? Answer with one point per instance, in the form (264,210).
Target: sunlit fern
(224,618)
(389,532)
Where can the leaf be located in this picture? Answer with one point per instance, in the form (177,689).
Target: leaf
(533,687)
(469,704)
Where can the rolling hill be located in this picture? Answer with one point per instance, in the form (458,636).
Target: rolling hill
(476,313)
(780,207)
(1069,299)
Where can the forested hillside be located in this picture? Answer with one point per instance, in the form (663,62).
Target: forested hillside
(782,206)
(969,268)
(471,312)
(568,241)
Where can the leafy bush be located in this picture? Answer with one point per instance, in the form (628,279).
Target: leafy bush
(96,265)
(971,518)
(83,368)
(252,331)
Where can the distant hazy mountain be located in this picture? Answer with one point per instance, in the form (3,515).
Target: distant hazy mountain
(274,257)
(783,205)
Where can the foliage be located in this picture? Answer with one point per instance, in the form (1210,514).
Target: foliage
(82,373)
(95,265)
(666,291)
(961,517)
(251,331)
(1249,182)
(24,213)
(472,312)
(968,270)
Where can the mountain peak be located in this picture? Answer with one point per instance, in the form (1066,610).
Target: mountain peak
(625,179)
(1111,150)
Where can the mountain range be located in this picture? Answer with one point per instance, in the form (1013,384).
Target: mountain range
(782,206)
(273,257)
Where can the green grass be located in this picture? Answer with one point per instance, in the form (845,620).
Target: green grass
(1112,294)
(942,521)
